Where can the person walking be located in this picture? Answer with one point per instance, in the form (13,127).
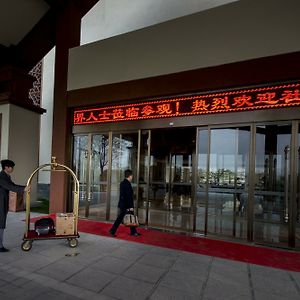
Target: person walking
(125,204)
(6,185)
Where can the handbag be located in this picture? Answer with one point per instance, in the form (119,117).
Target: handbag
(131,220)
(44,226)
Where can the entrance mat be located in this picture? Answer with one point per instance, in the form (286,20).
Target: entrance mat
(281,259)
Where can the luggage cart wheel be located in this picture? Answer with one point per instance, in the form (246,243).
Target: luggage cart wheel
(27,245)
(73,243)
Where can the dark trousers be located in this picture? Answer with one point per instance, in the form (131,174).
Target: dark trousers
(119,220)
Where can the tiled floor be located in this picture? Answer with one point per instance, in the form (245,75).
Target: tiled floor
(108,268)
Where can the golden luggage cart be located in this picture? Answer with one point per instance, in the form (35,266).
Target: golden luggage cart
(31,235)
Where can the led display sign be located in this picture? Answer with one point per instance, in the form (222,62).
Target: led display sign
(231,101)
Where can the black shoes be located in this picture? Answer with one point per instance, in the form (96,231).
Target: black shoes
(112,233)
(3,249)
(136,234)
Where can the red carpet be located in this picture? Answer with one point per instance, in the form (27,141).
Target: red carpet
(281,259)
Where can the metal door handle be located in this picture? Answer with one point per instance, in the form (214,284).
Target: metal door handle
(286,183)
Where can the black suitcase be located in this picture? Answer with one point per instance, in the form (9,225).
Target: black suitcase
(44,226)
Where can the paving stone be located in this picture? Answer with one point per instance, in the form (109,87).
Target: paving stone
(191,267)
(165,252)
(126,288)
(108,268)
(53,294)
(274,285)
(60,270)
(218,289)
(263,271)
(84,294)
(182,281)
(229,265)
(83,257)
(240,279)
(2,283)
(127,253)
(157,260)
(164,293)
(91,279)
(197,258)
(296,277)
(33,263)
(145,273)
(20,281)
(266,296)
(112,264)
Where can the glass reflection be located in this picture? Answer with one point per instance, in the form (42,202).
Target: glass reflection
(80,159)
(99,173)
(272,174)
(124,156)
(226,180)
(170,183)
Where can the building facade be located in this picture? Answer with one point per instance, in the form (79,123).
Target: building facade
(205,113)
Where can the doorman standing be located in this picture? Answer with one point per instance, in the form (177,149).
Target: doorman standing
(6,185)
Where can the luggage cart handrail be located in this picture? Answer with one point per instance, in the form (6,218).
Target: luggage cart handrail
(54,167)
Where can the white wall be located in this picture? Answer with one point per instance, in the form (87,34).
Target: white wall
(47,90)
(4,111)
(23,149)
(239,31)
(113,17)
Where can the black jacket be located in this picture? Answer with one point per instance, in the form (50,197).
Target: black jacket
(6,185)
(126,195)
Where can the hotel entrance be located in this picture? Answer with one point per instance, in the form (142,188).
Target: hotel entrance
(221,164)
(237,181)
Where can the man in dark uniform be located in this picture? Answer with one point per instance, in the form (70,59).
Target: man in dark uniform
(125,204)
(6,185)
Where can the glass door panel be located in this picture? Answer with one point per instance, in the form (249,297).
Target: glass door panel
(170,178)
(180,200)
(223,180)
(124,156)
(80,163)
(99,166)
(272,181)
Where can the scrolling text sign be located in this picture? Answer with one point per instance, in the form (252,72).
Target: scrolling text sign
(231,101)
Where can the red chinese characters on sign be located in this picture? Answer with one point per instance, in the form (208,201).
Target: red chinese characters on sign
(132,112)
(266,98)
(200,105)
(242,101)
(91,117)
(289,96)
(79,118)
(164,109)
(230,101)
(220,104)
(104,115)
(147,110)
(118,114)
